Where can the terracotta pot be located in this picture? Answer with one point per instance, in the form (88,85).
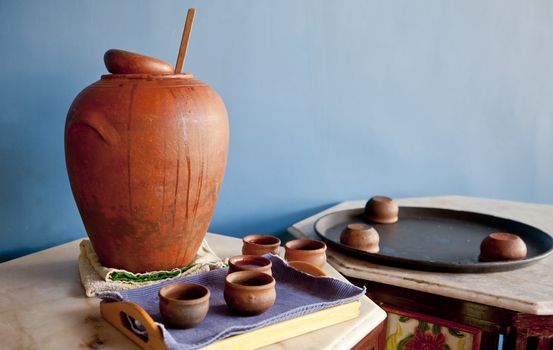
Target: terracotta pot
(381,210)
(250,263)
(501,246)
(311,251)
(249,292)
(146,155)
(260,245)
(183,305)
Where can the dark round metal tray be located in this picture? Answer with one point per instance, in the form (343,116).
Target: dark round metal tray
(433,239)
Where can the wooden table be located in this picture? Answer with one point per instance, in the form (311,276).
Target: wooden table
(43,306)
(517,304)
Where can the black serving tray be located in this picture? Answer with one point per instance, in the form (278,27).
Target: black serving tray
(433,239)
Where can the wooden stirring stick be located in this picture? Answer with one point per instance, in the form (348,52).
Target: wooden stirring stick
(185,39)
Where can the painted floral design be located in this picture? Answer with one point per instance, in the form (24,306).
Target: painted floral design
(425,341)
(405,333)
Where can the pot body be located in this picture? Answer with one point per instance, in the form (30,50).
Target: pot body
(146,155)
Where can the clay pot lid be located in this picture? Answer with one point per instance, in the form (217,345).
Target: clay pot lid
(125,62)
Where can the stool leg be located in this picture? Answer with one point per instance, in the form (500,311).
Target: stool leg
(545,343)
(521,339)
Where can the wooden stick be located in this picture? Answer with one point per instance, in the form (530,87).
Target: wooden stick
(185,39)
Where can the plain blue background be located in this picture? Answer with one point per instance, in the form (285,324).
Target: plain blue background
(328,101)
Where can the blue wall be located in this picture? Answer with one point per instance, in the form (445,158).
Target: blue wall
(328,100)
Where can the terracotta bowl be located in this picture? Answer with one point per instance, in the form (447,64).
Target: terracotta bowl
(249,293)
(381,210)
(250,263)
(311,251)
(362,237)
(183,305)
(502,247)
(260,245)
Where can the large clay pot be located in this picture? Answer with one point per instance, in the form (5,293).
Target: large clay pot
(146,155)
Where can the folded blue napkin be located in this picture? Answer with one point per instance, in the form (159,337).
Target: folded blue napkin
(297,294)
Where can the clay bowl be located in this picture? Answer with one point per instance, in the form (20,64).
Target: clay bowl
(249,293)
(183,305)
(361,236)
(308,268)
(311,251)
(381,210)
(502,247)
(250,263)
(260,244)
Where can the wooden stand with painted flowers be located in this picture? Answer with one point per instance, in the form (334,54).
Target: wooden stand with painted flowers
(409,330)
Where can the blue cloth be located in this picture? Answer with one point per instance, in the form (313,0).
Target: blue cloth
(297,294)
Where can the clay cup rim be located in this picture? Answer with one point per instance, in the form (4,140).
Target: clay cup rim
(501,240)
(260,262)
(503,236)
(185,293)
(381,199)
(262,240)
(359,227)
(307,246)
(250,280)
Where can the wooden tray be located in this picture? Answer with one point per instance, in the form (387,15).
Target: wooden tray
(435,239)
(115,312)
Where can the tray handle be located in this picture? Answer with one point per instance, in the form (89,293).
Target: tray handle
(121,315)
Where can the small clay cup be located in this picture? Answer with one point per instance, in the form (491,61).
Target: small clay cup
(308,250)
(249,293)
(361,236)
(502,247)
(250,263)
(260,245)
(183,305)
(381,210)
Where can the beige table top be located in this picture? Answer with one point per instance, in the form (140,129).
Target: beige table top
(528,290)
(43,306)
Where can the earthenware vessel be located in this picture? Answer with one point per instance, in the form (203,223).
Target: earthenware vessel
(361,236)
(250,263)
(183,305)
(381,210)
(249,293)
(260,245)
(146,151)
(502,247)
(308,250)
